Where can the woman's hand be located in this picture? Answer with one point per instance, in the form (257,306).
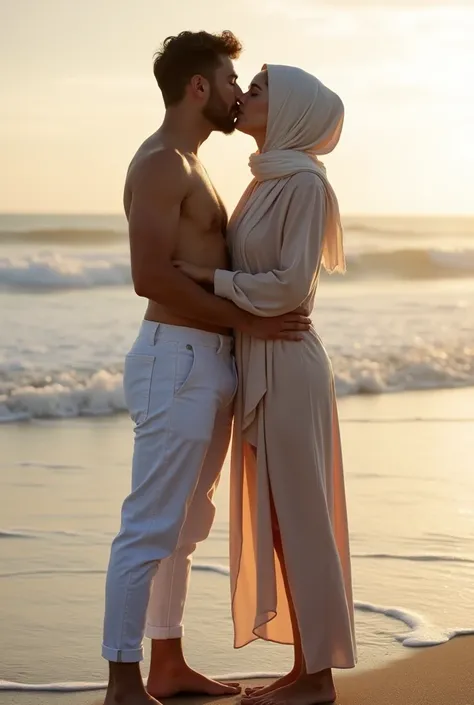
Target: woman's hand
(201,275)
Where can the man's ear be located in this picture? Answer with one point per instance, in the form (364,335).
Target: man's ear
(199,86)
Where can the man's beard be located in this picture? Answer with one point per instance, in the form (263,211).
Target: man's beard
(219,115)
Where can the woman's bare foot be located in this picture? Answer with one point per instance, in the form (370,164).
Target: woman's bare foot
(313,689)
(259,690)
(168,682)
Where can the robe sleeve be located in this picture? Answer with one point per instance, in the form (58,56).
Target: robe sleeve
(282,290)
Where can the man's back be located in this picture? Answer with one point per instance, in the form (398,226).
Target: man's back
(199,228)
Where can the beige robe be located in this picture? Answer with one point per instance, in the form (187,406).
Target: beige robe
(286,407)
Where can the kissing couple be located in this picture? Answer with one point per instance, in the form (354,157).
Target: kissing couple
(227,343)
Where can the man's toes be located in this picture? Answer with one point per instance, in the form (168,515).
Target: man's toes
(225,689)
(232,685)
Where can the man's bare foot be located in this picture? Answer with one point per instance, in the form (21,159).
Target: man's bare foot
(259,690)
(132,698)
(170,674)
(313,689)
(168,682)
(126,686)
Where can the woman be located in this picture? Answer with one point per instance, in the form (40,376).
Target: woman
(289,551)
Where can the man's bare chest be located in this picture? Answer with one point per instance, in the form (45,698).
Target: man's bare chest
(203,205)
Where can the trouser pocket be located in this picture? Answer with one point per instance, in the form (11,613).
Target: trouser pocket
(185,367)
(137,378)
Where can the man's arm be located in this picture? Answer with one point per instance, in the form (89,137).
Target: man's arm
(160,185)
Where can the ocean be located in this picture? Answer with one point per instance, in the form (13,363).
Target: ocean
(399,329)
(401,319)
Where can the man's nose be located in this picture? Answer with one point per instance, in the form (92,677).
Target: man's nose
(238,92)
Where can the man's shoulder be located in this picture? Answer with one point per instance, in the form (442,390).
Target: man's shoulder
(158,164)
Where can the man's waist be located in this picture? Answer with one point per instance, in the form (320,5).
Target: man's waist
(155,331)
(160,314)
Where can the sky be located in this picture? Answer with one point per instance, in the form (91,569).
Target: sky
(79,96)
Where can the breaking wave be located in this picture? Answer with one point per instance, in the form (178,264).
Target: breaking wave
(26,394)
(49,271)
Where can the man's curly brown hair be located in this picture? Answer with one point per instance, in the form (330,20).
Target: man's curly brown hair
(190,53)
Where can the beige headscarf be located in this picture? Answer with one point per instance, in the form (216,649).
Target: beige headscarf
(305,120)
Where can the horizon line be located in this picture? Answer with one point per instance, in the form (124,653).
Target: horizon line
(387,214)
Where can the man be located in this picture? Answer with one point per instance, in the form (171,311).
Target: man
(179,378)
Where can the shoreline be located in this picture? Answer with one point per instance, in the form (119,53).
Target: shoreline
(440,675)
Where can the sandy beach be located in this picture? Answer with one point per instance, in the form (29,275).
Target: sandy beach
(410,487)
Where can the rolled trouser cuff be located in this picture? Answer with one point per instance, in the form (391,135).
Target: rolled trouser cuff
(122,655)
(153,632)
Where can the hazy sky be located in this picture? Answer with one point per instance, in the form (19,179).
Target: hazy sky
(78,96)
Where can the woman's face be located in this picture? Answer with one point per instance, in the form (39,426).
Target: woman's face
(254,109)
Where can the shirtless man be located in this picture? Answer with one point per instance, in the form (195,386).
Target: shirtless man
(179,377)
